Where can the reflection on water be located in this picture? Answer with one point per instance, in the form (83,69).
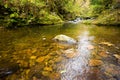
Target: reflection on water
(76,67)
(95,57)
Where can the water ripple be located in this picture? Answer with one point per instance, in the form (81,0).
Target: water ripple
(75,68)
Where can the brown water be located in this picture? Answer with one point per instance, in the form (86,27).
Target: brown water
(95,57)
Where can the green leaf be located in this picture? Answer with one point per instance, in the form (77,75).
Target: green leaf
(6,5)
(13,20)
(29,21)
(12,15)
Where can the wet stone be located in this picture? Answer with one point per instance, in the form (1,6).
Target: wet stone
(58,52)
(63,46)
(34,50)
(23,64)
(55,76)
(106,43)
(45,73)
(51,62)
(103,54)
(70,53)
(111,71)
(90,47)
(46,44)
(48,57)
(93,74)
(44,53)
(53,53)
(40,59)
(47,69)
(96,56)
(58,59)
(8,68)
(32,62)
(35,71)
(117,56)
(95,62)
(21,46)
(33,57)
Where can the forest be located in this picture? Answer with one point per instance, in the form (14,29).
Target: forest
(59,39)
(26,12)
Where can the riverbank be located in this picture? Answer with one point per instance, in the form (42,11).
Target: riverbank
(107,18)
(21,13)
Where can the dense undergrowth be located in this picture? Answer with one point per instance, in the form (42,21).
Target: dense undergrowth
(104,12)
(26,12)
(44,12)
(109,17)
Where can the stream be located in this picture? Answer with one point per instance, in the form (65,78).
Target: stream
(30,53)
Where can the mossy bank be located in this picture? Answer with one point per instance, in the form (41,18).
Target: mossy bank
(26,12)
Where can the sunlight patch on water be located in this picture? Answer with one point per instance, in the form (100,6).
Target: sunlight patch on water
(75,68)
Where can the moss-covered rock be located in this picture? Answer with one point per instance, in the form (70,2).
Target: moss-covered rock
(108,17)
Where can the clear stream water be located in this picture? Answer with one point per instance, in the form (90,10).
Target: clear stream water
(95,57)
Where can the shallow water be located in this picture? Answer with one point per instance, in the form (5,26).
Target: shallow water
(95,57)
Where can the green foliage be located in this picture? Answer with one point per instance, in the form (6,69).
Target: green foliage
(96,10)
(105,3)
(26,12)
(109,17)
(14,15)
(69,9)
(6,5)
(94,2)
(97,6)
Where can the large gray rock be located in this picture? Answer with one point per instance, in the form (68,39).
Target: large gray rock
(65,39)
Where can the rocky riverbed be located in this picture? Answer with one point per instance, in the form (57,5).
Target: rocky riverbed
(33,54)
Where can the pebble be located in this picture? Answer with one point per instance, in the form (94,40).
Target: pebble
(95,62)
(90,47)
(33,57)
(116,56)
(40,59)
(48,69)
(103,54)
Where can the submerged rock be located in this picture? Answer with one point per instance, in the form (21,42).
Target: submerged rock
(33,57)
(90,47)
(38,73)
(8,68)
(106,43)
(111,71)
(48,69)
(103,54)
(95,62)
(70,53)
(116,56)
(40,59)
(55,76)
